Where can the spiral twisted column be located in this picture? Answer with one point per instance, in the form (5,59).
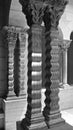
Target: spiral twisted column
(15,40)
(33,118)
(10,38)
(53,12)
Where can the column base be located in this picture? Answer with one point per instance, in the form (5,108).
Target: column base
(19,127)
(16,98)
(12,96)
(37,123)
(55,122)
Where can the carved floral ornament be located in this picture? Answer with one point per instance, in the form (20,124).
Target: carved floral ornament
(36,9)
(64,45)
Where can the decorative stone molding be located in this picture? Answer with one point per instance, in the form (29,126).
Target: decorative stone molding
(65,44)
(34,11)
(54,10)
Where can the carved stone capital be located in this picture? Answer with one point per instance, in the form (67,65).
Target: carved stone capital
(64,45)
(34,11)
(53,12)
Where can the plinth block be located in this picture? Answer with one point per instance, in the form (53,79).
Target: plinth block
(14,110)
(19,127)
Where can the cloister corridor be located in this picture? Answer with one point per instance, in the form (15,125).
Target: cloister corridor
(36,64)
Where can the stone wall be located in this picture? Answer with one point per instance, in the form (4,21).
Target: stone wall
(3,67)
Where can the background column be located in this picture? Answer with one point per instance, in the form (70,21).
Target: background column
(66,44)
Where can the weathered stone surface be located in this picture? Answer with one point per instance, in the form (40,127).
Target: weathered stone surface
(33,117)
(51,19)
(15,39)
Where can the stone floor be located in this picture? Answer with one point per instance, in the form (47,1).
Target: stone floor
(68,116)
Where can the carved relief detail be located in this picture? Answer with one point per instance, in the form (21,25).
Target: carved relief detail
(55,9)
(50,12)
(33,10)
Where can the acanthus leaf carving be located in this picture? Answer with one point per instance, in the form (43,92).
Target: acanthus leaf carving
(54,10)
(34,11)
(37,12)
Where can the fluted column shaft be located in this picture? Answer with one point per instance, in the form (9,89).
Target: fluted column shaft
(33,117)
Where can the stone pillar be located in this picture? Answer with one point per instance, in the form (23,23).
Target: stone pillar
(15,38)
(51,18)
(64,72)
(61,67)
(33,117)
(64,47)
(10,38)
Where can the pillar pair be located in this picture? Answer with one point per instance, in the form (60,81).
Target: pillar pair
(15,40)
(49,12)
